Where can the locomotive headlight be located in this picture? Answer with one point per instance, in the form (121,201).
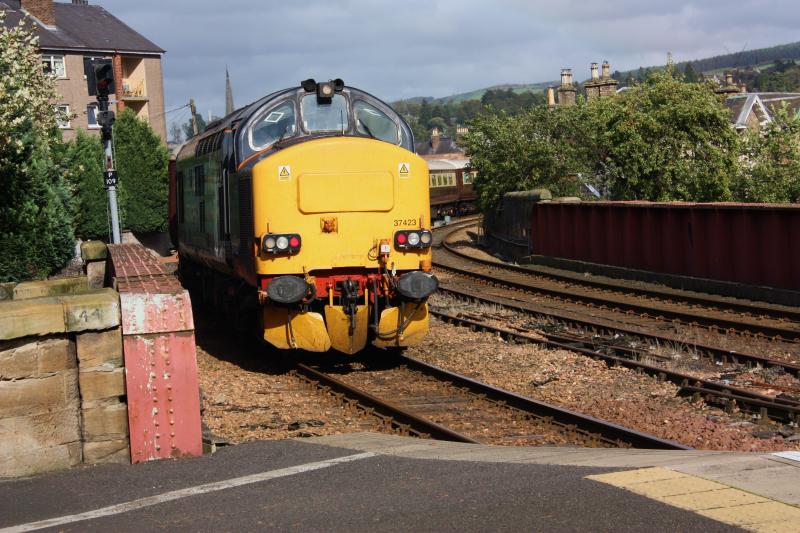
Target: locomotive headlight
(426,238)
(269,243)
(282,242)
(413,238)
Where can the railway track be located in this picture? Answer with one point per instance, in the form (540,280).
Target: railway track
(596,337)
(416,398)
(780,409)
(598,333)
(760,320)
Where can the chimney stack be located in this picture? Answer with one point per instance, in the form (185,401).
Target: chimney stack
(566,92)
(598,87)
(80,2)
(435,139)
(551,97)
(729,78)
(42,10)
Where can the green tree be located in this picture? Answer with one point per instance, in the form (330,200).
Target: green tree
(188,130)
(667,140)
(82,161)
(539,148)
(771,170)
(142,161)
(689,74)
(36,236)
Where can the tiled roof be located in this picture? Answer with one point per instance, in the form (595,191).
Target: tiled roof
(83,27)
(446,146)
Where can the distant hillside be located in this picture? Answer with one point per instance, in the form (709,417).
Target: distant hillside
(478,93)
(758,59)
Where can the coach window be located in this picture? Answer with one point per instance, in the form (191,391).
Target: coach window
(273,125)
(374,123)
(324,117)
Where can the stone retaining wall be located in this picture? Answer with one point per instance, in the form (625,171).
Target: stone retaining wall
(62,382)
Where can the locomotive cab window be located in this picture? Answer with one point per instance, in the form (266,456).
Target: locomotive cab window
(318,116)
(276,123)
(374,123)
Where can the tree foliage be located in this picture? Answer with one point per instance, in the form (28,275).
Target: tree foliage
(532,150)
(36,235)
(666,140)
(188,129)
(445,116)
(82,161)
(661,140)
(142,163)
(771,161)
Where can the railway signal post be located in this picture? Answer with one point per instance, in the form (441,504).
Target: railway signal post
(104,79)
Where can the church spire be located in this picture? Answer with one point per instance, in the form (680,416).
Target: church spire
(228,93)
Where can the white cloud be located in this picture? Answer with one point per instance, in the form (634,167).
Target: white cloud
(432,47)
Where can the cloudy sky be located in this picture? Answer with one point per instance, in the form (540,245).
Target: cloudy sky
(404,48)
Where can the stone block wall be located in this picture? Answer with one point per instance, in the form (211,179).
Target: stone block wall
(62,384)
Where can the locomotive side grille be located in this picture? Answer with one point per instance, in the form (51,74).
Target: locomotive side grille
(246,228)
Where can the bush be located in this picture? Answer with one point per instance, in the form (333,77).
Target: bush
(142,162)
(36,237)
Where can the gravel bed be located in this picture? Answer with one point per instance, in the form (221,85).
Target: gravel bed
(617,394)
(249,396)
(465,413)
(671,357)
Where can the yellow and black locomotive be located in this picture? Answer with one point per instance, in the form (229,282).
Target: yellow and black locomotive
(304,214)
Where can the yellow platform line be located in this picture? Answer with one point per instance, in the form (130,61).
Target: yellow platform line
(707,498)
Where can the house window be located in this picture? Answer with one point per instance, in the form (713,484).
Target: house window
(54,65)
(63,116)
(91,116)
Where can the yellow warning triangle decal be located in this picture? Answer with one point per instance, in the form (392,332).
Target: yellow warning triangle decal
(403,169)
(284,171)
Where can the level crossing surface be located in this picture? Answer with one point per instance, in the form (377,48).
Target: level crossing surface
(363,482)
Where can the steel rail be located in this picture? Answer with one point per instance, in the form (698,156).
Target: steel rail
(689,319)
(607,430)
(420,427)
(722,355)
(750,308)
(414,425)
(783,410)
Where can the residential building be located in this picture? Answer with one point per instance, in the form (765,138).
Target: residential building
(441,146)
(72,36)
(754,110)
